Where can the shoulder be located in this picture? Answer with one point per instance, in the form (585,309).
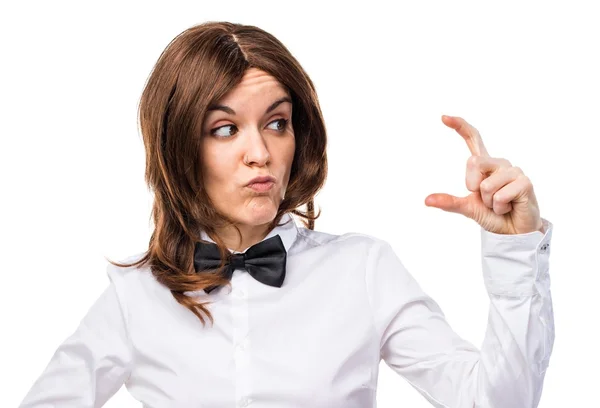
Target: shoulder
(374,255)
(119,274)
(349,241)
(132,280)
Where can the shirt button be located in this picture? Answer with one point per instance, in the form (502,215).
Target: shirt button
(544,247)
(240,293)
(244,402)
(240,348)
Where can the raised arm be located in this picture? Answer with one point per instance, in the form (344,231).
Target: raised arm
(418,343)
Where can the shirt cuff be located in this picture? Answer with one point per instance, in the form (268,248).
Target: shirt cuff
(516,264)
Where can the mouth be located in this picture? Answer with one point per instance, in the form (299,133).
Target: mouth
(261,187)
(261,184)
(261,179)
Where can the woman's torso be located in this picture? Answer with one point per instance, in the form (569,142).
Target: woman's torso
(309,343)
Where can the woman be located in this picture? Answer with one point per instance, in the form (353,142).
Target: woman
(235,145)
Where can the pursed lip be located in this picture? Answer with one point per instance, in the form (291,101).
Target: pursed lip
(261,179)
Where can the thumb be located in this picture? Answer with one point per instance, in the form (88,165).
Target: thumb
(448,203)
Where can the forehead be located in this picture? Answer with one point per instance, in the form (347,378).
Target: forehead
(255,83)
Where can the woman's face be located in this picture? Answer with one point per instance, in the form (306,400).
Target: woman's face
(249,135)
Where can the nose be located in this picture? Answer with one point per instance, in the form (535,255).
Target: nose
(257,152)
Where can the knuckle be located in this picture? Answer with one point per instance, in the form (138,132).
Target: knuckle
(522,177)
(526,181)
(473,161)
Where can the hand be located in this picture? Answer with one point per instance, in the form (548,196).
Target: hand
(503,200)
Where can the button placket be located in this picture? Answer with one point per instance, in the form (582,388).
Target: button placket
(239,314)
(244,401)
(242,345)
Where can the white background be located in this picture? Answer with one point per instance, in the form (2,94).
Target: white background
(527,75)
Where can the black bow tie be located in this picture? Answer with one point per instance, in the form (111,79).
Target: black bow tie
(264,261)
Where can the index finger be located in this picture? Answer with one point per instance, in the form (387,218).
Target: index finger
(468,132)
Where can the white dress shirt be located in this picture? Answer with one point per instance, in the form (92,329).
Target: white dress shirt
(346,303)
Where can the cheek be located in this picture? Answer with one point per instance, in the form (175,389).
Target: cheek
(218,169)
(290,158)
(292,149)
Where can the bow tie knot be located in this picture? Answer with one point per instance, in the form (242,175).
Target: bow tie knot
(237,261)
(264,261)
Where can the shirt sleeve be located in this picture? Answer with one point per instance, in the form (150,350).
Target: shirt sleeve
(418,343)
(92,363)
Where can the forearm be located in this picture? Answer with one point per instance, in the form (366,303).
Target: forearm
(520,333)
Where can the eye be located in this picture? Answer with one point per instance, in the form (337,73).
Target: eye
(227,134)
(284,121)
(214,131)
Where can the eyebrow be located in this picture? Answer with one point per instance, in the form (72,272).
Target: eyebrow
(227,109)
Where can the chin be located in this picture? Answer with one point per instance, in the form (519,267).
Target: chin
(259,213)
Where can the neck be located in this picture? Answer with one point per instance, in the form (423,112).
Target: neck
(251,234)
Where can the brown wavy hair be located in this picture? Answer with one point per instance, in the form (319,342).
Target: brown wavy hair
(197,68)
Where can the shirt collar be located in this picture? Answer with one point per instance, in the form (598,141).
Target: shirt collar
(287,232)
